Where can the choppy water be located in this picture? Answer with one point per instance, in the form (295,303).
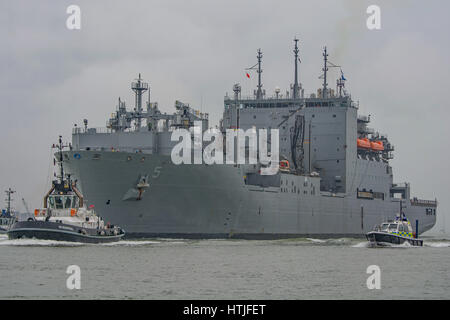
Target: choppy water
(223,269)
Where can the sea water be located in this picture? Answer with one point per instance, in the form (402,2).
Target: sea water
(305,268)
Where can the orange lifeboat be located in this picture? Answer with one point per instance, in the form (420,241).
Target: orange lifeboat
(363,143)
(377,145)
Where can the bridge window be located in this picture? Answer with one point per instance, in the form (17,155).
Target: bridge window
(67,202)
(392,227)
(51,202)
(58,202)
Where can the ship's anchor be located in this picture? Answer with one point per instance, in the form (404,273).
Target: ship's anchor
(142,185)
(137,192)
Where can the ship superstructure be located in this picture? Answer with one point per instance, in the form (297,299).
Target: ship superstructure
(334,177)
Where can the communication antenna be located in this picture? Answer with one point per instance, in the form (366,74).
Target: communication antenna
(340,83)
(325,69)
(328,64)
(237,93)
(259,92)
(296,87)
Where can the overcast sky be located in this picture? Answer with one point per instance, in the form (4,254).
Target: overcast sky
(194,51)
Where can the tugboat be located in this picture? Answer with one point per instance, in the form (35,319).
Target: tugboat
(394,232)
(7,218)
(64,216)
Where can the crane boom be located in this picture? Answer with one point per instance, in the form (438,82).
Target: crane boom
(25,205)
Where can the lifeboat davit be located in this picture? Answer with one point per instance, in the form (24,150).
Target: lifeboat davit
(377,145)
(363,143)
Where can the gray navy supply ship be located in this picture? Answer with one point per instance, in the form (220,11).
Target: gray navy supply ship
(334,180)
(64,216)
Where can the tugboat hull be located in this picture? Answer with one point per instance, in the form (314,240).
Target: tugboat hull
(45,230)
(380,238)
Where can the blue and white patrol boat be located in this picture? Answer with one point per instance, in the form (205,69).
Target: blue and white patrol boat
(398,231)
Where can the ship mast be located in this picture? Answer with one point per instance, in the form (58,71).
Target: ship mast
(139,87)
(9,192)
(325,69)
(259,90)
(61,168)
(296,70)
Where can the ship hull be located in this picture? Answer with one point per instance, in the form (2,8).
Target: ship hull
(213,201)
(57,231)
(382,238)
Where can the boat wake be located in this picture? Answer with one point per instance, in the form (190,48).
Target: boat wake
(364,244)
(318,242)
(130,243)
(333,241)
(437,244)
(426,243)
(38,243)
(4,241)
